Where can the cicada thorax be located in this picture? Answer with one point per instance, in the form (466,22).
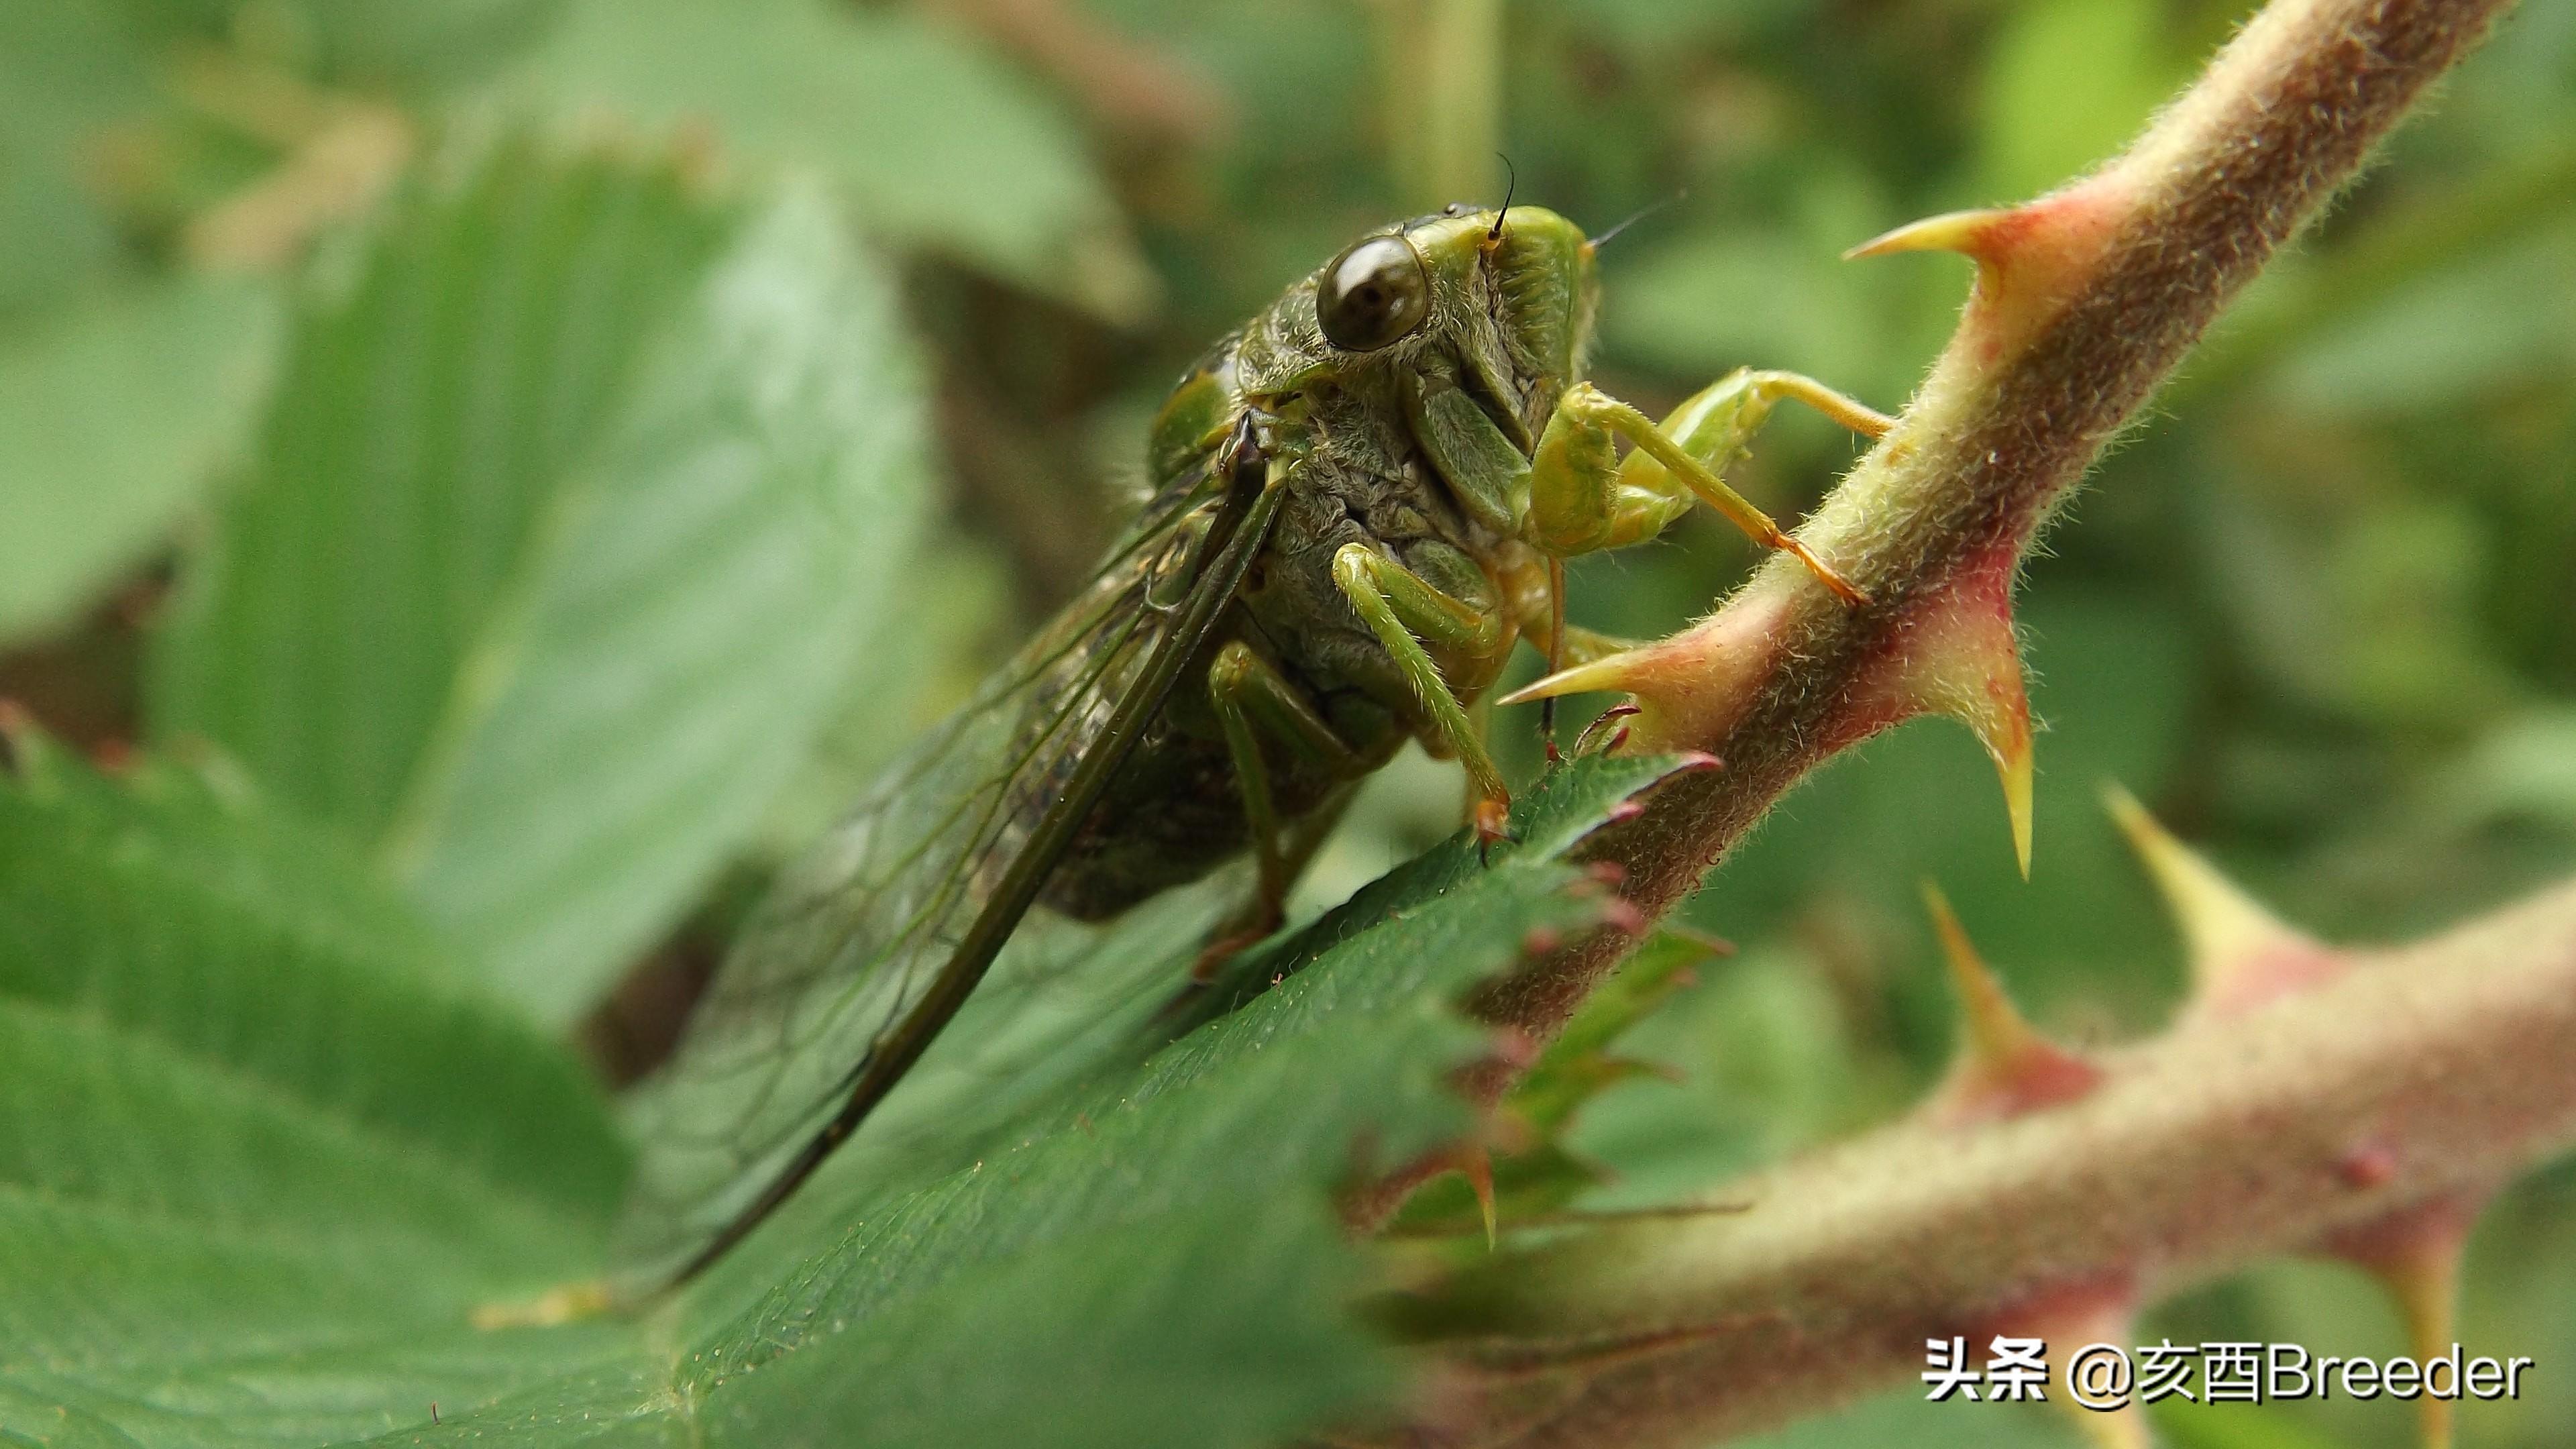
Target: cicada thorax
(1352,472)
(1365,482)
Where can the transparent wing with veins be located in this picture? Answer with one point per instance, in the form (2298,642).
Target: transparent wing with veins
(859,927)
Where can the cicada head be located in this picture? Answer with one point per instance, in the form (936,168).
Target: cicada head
(1508,296)
(1537,269)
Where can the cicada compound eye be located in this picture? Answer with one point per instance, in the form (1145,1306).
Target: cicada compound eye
(1373,295)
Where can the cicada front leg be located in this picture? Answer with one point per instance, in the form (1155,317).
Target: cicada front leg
(1407,610)
(1584,496)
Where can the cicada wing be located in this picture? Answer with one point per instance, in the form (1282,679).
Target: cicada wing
(858,954)
(847,944)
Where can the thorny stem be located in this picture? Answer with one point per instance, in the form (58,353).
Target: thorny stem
(2086,300)
(2419,1074)
(2141,257)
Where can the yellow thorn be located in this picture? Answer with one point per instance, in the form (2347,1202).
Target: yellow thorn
(1965,662)
(2429,1296)
(2424,1277)
(1478,1165)
(1965,232)
(2012,762)
(1611,673)
(2030,258)
(2005,1067)
(2225,930)
(1994,1030)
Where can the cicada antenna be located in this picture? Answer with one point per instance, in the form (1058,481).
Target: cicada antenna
(1634,217)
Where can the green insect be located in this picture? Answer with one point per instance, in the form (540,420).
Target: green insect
(1362,499)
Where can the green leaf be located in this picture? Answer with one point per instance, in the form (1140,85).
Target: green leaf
(1157,1261)
(261,1178)
(68,69)
(406,41)
(1577,1065)
(114,412)
(562,537)
(257,1163)
(1070,1014)
(915,668)
(360,44)
(1761,1064)
(1576,1070)
(935,144)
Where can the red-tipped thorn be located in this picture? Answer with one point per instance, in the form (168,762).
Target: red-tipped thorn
(1623,916)
(2241,954)
(2005,1067)
(1609,872)
(2030,258)
(1541,941)
(1961,658)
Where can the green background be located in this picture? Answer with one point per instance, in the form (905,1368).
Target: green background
(502,545)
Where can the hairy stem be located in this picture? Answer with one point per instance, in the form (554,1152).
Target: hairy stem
(2412,1078)
(2423,1075)
(2085,302)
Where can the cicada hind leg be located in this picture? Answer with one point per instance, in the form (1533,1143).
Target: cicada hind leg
(1447,604)
(1254,701)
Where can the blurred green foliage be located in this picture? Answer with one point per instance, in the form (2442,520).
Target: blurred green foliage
(561,543)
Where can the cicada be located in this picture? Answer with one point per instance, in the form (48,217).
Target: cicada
(1360,501)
